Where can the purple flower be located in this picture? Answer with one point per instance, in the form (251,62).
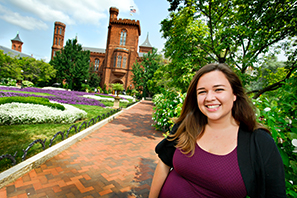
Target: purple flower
(61,96)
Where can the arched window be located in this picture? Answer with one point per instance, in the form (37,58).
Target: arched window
(96,67)
(19,48)
(124,61)
(14,47)
(123,37)
(119,61)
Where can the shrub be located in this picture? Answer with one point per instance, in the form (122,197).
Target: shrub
(27,83)
(31,100)
(167,106)
(279,114)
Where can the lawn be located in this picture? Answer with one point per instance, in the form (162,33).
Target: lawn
(18,137)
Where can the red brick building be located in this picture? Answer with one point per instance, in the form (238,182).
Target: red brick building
(113,64)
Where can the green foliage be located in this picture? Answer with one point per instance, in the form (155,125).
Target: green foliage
(27,83)
(72,64)
(144,71)
(117,87)
(36,70)
(25,68)
(85,87)
(9,67)
(279,114)
(31,100)
(8,81)
(104,89)
(196,33)
(94,80)
(167,107)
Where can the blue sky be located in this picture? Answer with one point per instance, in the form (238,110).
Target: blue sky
(88,19)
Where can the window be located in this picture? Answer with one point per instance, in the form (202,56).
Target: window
(61,31)
(119,61)
(57,32)
(114,61)
(123,37)
(56,41)
(96,67)
(59,41)
(124,61)
(54,53)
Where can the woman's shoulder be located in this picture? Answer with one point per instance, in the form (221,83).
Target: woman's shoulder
(260,137)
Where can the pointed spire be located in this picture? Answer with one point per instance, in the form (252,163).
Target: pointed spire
(146,43)
(17,38)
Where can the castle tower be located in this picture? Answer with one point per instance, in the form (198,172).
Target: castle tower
(121,49)
(113,13)
(145,47)
(17,43)
(58,41)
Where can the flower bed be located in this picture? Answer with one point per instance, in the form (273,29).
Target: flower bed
(61,96)
(103,98)
(22,113)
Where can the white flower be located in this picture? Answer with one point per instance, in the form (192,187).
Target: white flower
(23,113)
(267,109)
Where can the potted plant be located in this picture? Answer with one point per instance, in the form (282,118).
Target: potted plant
(117,87)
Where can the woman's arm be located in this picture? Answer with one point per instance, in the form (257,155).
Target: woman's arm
(159,178)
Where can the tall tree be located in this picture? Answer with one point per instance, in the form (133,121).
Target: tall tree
(72,64)
(197,32)
(144,71)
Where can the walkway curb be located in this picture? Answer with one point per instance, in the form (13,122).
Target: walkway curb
(24,167)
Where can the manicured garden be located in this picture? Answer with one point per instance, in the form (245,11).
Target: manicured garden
(23,123)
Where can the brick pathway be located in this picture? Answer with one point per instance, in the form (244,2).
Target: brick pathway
(117,160)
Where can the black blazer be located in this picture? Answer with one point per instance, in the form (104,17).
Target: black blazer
(259,161)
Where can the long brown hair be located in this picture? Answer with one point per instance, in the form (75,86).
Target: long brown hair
(192,121)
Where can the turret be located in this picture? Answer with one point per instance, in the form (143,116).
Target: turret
(58,41)
(17,43)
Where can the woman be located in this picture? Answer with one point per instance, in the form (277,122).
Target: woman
(216,148)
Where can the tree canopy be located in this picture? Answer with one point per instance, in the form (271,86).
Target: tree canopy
(72,64)
(143,72)
(197,32)
(25,68)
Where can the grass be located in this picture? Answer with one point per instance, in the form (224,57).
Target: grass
(104,96)
(17,137)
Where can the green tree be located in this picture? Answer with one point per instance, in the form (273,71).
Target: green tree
(9,67)
(197,32)
(72,64)
(144,71)
(25,68)
(36,71)
(94,80)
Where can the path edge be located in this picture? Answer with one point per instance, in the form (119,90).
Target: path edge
(10,175)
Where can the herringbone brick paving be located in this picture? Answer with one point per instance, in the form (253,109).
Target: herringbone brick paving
(115,161)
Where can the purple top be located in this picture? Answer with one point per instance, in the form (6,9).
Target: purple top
(204,175)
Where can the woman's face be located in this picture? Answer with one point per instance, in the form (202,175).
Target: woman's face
(215,96)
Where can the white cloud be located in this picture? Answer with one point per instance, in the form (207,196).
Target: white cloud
(25,22)
(71,12)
